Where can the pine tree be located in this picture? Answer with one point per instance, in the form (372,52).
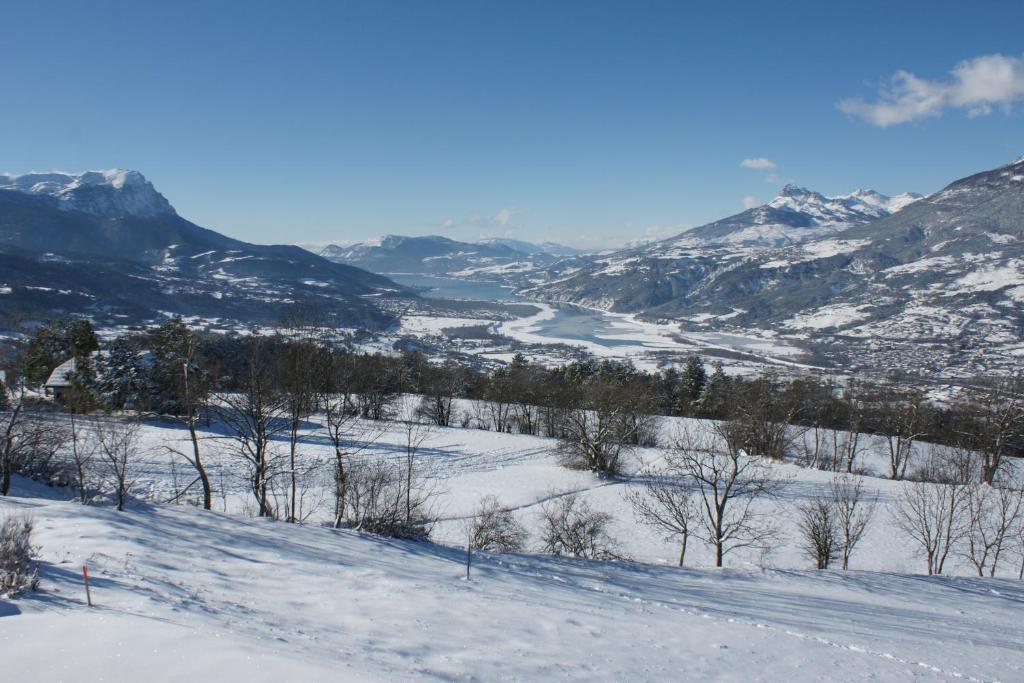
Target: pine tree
(54,343)
(695,377)
(714,399)
(120,378)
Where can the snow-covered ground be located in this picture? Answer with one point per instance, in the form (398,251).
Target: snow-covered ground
(182,592)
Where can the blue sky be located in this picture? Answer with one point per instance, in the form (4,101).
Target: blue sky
(589,123)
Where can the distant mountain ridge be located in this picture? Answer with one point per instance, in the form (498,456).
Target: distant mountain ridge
(532,248)
(438,255)
(795,215)
(108,245)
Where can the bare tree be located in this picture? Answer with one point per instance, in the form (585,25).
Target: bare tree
(665,504)
(378,386)
(853,513)
(184,385)
(601,429)
(902,419)
(254,416)
(194,396)
(37,441)
(377,501)
(852,414)
(1020,550)
(441,386)
(996,429)
(570,526)
(347,433)
(494,527)
(812,447)
(728,484)
(300,367)
(932,513)
(819,531)
(498,406)
(416,434)
(763,415)
(83,454)
(14,402)
(117,440)
(994,514)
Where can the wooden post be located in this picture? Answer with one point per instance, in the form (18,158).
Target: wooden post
(85,578)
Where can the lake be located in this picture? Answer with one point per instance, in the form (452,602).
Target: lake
(453,288)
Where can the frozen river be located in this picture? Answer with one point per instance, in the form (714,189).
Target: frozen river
(559,324)
(599,332)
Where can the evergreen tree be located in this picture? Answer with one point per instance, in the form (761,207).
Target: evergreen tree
(714,399)
(172,347)
(695,377)
(81,338)
(120,377)
(55,342)
(82,396)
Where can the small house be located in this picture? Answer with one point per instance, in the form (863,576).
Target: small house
(58,384)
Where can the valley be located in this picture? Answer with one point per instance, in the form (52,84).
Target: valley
(469,342)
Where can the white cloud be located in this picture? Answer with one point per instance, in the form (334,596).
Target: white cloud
(750,202)
(975,85)
(759,163)
(505,216)
(447,224)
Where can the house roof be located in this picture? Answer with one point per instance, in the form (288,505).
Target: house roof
(61,375)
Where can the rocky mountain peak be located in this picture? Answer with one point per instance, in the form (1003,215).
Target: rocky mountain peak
(112,193)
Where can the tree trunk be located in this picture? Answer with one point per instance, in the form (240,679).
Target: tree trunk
(340,488)
(6,466)
(5,476)
(200,468)
(292,514)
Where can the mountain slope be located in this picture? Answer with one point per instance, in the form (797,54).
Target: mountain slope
(187,593)
(662,273)
(86,251)
(936,287)
(436,255)
(549,248)
(796,215)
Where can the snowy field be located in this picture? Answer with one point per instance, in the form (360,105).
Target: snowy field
(181,592)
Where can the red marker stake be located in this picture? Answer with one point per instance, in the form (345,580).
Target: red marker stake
(85,578)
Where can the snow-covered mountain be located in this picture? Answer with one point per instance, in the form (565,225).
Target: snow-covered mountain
(112,194)
(437,255)
(107,244)
(533,248)
(795,215)
(931,284)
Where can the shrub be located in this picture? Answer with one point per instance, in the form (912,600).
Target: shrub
(495,528)
(572,527)
(19,568)
(380,501)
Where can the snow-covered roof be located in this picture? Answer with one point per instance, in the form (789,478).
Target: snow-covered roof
(61,375)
